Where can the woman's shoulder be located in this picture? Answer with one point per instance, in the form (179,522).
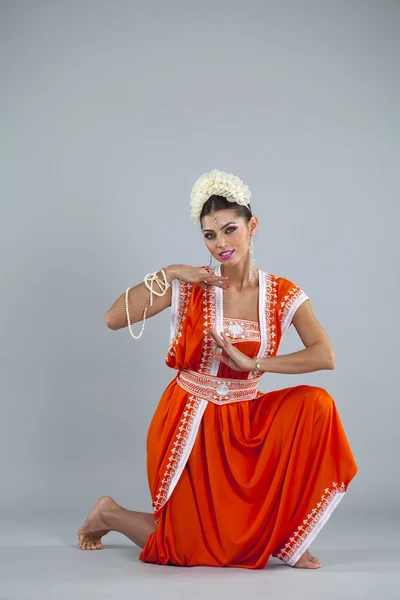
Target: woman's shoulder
(282,285)
(274,277)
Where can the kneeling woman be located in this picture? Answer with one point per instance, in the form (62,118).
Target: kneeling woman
(236,475)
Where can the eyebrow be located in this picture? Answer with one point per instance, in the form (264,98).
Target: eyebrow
(225,225)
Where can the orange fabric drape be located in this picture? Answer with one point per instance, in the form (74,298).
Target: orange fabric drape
(237,483)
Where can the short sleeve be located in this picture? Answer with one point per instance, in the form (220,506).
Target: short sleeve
(181,293)
(184,299)
(290,297)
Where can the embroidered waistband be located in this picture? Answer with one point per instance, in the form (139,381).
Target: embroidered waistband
(216,389)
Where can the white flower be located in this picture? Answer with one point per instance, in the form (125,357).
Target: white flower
(217,183)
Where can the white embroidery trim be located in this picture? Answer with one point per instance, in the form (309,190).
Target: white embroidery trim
(180,298)
(291,306)
(271,284)
(262,302)
(210,319)
(190,434)
(315,521)
(219,317)
(174,309)
(246,330)
(189,425)
(219,390)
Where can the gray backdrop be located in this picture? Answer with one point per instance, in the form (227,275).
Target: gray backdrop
(109,112)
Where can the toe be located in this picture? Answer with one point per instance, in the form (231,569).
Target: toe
(314,564)
(305,564)
(317,563)
(310,565)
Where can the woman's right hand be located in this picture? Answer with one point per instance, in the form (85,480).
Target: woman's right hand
(198,275)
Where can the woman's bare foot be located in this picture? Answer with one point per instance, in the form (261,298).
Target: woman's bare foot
(95,527)
(307,561)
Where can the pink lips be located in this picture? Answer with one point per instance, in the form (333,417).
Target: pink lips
(226,255)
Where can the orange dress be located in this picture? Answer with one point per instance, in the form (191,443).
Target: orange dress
(237,475)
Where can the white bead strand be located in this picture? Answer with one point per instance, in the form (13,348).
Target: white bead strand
(149,283)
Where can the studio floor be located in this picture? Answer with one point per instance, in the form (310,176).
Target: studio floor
(40,560)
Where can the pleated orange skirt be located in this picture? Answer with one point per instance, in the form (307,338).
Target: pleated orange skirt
(262,477)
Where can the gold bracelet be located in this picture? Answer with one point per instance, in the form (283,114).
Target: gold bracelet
(257,370)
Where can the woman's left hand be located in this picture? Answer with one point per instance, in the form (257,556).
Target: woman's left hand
(235,359)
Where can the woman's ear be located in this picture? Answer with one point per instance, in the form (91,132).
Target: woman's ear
(253,225)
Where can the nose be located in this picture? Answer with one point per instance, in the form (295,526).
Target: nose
(220,242)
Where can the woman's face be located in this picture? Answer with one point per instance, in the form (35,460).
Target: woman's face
(227,236)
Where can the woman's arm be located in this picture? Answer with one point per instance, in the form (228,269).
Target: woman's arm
(139,295)
(138,300)
(317,355)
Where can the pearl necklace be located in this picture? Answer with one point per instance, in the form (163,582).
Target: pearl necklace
(149,281)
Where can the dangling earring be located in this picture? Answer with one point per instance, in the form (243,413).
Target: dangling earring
(252,261)
(211,257)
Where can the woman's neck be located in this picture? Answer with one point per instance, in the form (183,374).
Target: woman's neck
(238,276)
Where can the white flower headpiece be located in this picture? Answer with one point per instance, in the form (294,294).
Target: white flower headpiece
(218,183)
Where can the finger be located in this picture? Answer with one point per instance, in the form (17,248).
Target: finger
(218,343)
(213,278)
(222,359)
(216,337)
(226,340)
(216,280)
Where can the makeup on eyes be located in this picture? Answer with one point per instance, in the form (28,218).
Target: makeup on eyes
(232,229)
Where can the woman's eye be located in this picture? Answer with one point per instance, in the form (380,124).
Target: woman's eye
(211,236)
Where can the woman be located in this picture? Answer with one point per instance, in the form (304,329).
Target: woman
(236,475)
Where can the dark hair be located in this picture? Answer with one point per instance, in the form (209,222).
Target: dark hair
(215,203)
